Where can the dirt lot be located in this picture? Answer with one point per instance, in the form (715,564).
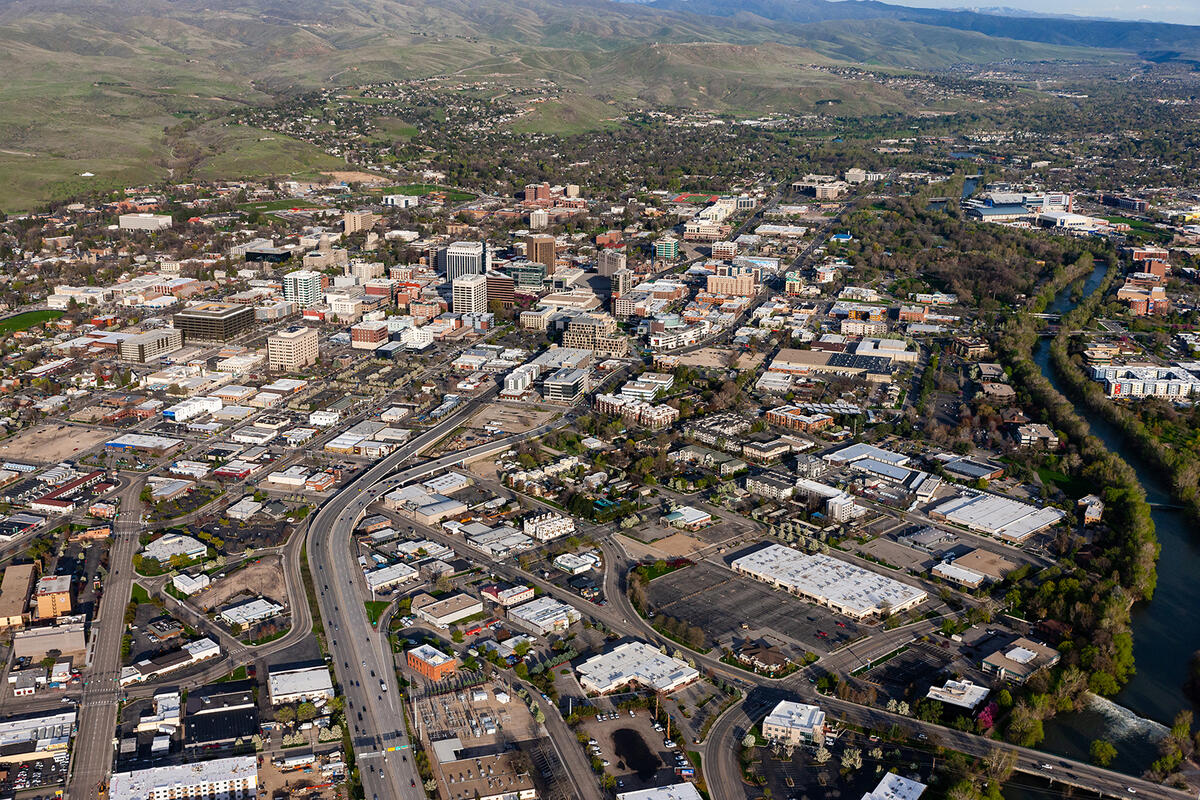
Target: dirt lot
(677,545)
(511,418)
(260,578)
(718,358)
(50,444)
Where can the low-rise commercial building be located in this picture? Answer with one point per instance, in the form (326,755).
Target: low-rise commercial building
(824,580)
(795,723)
(635,663)
(431,662)
(1019,661)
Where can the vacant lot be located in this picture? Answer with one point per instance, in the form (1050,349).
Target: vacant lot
(720,358)
(50,444)
(508,419)
(263,577)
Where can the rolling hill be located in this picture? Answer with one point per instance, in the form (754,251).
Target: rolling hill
(91,85)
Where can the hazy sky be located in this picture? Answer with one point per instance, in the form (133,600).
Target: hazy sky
(1183,12)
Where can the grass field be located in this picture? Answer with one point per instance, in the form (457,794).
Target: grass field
(27,320)
(277,205)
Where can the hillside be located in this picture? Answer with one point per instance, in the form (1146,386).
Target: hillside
(91,86)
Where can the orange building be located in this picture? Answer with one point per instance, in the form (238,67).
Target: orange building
(53,595)
(431,662)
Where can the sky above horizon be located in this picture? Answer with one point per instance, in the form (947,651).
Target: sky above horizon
(1182,12)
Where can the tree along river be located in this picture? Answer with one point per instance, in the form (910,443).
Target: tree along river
(1166,631)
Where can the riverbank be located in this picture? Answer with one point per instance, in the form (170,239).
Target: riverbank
(1166,629)
(1094,586)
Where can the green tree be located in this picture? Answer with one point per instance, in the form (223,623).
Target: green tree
(1103,752)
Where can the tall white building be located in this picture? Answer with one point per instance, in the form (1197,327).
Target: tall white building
(302,287)
(470,294)
(465,258)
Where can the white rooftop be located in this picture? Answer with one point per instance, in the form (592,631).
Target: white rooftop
(679,791)
(845,587)
(798,716)
(183,779)
(635,662)
(894,787)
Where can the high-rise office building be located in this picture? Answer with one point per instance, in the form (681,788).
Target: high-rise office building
(470,294)
(464,258)
(542,249)
(609,261)
(303,287)
(214,322)
(292,349)
(501,289)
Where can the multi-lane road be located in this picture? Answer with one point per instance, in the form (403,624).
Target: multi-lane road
(91,764)
(362,655)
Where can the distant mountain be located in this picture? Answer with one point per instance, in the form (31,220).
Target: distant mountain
(1132,37)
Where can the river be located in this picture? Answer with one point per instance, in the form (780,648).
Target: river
(1166,631)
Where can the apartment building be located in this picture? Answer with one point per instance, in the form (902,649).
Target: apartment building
(303,287)
(598,333)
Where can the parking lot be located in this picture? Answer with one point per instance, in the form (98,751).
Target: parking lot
(921,663)
(702,594)
(32,774)
(633,748)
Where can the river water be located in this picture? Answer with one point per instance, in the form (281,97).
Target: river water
(1166,631)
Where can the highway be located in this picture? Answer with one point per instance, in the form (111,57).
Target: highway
(91,763)
(362,656)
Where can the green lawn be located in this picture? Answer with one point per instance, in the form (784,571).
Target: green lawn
(375,609)
(139,595)
(418,189)
(1073,487)
(27,320)
(277,205)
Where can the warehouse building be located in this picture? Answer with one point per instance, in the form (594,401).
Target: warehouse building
(544,616)
(998,516)
(385,578)
(445,612)
(35,736)
(826,581)
(299,682)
